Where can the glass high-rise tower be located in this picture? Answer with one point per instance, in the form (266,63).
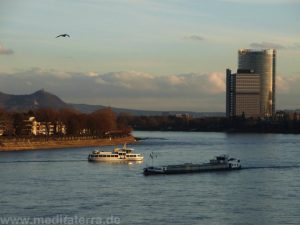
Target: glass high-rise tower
(262,62)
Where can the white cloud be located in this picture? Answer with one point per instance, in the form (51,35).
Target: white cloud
(5,51)
(130,86)
(176,80)
(282,84)
(263,1)
(195,38)
(92,74)
(266,45)
(139,90)
(287,95)
(217,82)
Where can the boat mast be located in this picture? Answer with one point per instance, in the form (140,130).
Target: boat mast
(152,155)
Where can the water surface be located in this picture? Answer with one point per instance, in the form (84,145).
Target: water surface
(55,182)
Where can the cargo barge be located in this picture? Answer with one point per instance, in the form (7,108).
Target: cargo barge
(219,163)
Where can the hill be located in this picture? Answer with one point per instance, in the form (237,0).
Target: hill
(39,99)
(44,99)
(135,112)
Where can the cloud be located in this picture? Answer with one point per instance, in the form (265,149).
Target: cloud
(288,85)
(266,45)
(263,1)
(92,74)
(176,80)
(297,45)
(217,82)
(140,90)
(130,89)
(287,92)
(5,51)
(282,84)
(195,38)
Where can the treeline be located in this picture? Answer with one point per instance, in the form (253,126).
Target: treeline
(214,124)
(105,121)
(75,123)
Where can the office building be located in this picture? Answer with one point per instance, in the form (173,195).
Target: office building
(243,94)
(263,63)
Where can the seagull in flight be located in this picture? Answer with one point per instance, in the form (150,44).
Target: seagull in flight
(63,35)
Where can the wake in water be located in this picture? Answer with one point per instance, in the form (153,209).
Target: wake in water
(270,167)
(43,161)
(149,138)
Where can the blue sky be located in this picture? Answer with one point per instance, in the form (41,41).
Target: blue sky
(144,54)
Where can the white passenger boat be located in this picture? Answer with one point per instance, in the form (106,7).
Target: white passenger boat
(118,154)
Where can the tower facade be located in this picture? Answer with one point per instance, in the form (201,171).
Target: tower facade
(263,63)
(243,94)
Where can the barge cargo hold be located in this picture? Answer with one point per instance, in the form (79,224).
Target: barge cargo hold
(219,163)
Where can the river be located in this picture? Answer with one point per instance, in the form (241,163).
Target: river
(60,186)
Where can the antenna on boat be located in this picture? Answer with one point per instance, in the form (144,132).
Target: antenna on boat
(152,155)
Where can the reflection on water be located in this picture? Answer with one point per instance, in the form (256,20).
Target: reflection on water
(266,191)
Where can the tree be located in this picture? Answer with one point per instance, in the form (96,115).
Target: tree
(18,123)
(124,120)
(73,121)
(6,122)
(101,121)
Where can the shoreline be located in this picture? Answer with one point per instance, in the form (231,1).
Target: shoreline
(28,144)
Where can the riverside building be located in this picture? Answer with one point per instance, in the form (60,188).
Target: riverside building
(243,94)
(251,91)
(262,62)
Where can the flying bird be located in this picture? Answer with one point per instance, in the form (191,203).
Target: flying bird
(63,35)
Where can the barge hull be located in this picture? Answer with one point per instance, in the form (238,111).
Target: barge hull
(184,171)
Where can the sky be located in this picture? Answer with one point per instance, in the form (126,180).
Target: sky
(144,54)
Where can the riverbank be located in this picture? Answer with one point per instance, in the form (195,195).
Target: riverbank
(56,143)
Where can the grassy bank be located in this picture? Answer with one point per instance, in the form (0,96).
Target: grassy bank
(22,144)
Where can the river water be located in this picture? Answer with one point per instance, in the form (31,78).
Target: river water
(63,184)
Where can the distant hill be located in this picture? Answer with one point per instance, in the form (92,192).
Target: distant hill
(91,108)
(39,99)
(44,99)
